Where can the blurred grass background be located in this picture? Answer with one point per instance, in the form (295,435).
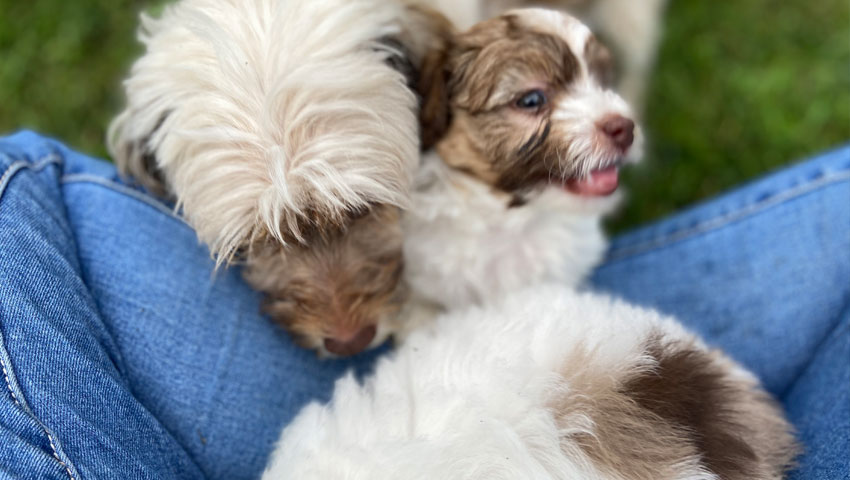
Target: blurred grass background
(741,87)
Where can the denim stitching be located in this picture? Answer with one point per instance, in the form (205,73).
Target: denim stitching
(718,222)
(21,164)
(124,190)
(8,373)
(12,385)
(56,456)
(8,382)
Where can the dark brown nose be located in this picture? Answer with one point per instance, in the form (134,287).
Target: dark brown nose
(351,345)
(620,130)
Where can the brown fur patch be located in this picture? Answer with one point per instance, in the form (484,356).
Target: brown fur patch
(470,89)
(737,428)
(485,62)
(689,411)
(622,439)
(344,281)
(688,390)
(431,84)
(434,113)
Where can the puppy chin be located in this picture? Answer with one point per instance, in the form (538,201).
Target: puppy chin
(585,204)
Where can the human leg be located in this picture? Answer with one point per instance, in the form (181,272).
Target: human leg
(124,351)
(65,408)
(819,403)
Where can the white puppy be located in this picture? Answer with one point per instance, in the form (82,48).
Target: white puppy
(544,384)
(530,143)
(287,133)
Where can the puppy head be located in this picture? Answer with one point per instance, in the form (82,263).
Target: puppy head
(335,295)
(522,102)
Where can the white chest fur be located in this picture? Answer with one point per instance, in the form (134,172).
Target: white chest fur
(464,244)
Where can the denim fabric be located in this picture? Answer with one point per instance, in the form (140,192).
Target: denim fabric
(125,355)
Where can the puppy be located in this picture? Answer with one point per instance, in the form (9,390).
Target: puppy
(286,132)
(544,383)
(531,140)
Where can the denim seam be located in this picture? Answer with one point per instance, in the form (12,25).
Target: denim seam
(5,358)
(12,385)
(723,220)
(6,378)
(123,190)
(6,178)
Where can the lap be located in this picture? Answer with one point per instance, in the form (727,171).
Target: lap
(125,350)
(67,411)
(118,326)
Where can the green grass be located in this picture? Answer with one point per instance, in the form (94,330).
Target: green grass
(61,64)
(742,87)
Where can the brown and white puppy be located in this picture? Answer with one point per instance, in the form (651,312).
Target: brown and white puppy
(526,99)
(544,384)
(529,140)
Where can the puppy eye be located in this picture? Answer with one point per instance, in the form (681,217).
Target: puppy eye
(531,100)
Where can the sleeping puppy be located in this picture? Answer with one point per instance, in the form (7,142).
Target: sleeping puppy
(286,132)
(544,384)
(529,143)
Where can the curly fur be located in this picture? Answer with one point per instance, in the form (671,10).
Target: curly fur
(261,115)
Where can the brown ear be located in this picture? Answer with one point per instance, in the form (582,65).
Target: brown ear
(433,88)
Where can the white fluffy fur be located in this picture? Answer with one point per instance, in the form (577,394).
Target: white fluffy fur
(463,245)
(471,398)
(257,110)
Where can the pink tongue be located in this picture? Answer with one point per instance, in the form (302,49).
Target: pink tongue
(599,183)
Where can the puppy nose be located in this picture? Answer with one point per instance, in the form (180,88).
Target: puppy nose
(620,130)
(353,344)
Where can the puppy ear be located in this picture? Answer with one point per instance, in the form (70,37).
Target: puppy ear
(434,113)
(429,37)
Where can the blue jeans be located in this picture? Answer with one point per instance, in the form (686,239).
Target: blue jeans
(124,355)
